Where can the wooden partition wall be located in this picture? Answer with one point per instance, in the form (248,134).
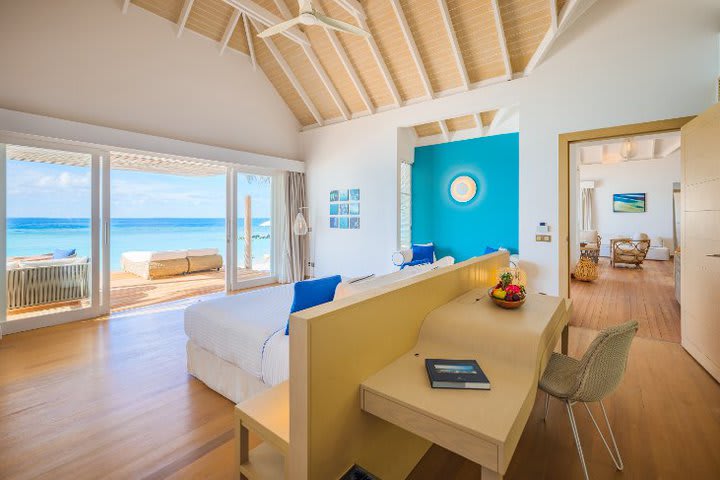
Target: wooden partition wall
(336,346)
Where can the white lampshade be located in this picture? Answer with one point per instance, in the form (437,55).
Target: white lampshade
(300,226)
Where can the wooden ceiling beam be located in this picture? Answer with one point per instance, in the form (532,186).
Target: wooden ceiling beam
(444,130)
(501,39)
(126,5)
(379,60)
(353,7)
(229,30)
(412,46)
(184,15)
(342,54)
(479,123)
(250,41)
(266,17)
(558,21)
(290,76)
(457,53)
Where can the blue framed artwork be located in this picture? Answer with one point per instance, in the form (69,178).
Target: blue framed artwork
(343,195)
(333,209)
(333,222)
(354,223)
(355,194)
(344,222)
(354,209)
(334,194)
(629,202)
(343,209)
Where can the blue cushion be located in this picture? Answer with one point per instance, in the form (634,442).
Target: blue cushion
(490,250)
(63,253)
(423,252)
(310,293)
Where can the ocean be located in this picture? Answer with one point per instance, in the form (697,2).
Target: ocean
(35,236)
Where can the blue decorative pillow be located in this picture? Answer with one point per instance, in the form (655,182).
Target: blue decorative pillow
(64,253)
(490,250)
(310,293)
(423,253)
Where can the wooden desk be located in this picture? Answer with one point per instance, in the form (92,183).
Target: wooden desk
(511,346)
(268,415)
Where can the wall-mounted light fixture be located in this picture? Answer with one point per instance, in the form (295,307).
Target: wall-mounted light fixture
(463,189)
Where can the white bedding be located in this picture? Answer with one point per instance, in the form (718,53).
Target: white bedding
(140,256)
(201,252)
(236,328)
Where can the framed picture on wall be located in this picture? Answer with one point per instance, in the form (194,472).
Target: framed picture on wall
(629,202)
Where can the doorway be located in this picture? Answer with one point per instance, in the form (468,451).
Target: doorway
(617,288)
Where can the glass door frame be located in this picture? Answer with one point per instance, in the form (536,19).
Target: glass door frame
(99,232)
(231,226)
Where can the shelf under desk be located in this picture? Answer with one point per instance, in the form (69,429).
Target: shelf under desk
(511,346)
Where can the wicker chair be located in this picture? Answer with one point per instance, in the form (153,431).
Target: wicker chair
(626,250)
(590,379)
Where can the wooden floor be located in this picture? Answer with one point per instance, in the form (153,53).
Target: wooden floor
(644,294)
(112,399)
(130,291)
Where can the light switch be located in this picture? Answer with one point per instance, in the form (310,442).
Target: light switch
(543,238)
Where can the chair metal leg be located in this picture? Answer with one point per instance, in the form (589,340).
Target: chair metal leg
(547,404)
(571,416)
(617,459)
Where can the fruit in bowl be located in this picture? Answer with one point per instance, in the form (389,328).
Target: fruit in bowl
(507,294)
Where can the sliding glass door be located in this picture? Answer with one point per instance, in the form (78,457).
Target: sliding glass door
(53,220)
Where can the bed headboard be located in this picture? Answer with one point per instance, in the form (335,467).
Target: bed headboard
(336,346)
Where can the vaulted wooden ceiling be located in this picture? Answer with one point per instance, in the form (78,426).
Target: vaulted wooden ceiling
(418,50)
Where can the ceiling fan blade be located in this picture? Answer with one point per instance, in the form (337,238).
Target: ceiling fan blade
(340,26)
(279,28)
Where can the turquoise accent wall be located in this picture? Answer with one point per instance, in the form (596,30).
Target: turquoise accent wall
(464,230)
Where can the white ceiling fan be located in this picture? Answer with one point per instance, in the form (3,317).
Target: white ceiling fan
(309,16)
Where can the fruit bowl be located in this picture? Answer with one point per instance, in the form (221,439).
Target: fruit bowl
(509,304)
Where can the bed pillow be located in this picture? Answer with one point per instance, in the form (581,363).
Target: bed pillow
(490,250)
(310,293)
(423,254)
(64,253)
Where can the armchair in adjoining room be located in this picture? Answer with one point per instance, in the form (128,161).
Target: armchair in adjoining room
(628,251)
(590,237)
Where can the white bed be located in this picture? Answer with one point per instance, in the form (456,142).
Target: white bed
(237,344)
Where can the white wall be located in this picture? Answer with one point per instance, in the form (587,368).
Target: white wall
(82,60)
(622,62)
(655,178)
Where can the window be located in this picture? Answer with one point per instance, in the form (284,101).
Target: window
(405,204)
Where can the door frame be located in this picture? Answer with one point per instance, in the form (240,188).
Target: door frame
(99,246)
(564,142)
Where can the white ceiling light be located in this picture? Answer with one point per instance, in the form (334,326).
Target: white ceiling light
(627,149)
(309,16)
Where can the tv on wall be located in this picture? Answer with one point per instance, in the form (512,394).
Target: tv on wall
(629,202)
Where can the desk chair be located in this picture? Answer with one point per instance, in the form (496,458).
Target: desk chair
(590,379)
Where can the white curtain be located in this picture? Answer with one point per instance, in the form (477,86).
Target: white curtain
(587,209)
(295,247)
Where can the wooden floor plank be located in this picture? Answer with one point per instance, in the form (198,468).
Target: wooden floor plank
(644,294)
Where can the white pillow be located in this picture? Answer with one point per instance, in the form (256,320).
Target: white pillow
(12,265)
(444,262)
(657,242)
(202,252)
(54,262)
(403,256)
(639,236)
(588,236)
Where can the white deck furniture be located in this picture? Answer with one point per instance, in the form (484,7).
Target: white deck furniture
(43,282)
(160,264)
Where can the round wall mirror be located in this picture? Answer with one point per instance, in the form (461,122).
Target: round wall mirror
(463,189)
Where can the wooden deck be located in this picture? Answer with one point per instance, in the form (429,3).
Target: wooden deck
(129,291)
(620,294)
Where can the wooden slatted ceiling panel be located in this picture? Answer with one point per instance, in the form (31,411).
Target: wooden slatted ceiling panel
(461,123)
(433,42)
(168,9)
(487,117)
(385,28)
(238,40)
(281,83)
(330,60)
(307,76)
(526,22)
(361,57)
(477,36)
(428,129)
(210,18)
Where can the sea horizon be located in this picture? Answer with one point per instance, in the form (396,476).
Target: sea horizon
(27,236)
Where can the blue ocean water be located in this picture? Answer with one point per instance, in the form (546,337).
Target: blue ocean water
(34,236)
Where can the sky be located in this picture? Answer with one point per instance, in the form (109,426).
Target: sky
(59,191)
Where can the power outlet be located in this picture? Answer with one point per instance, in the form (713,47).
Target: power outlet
(543,238)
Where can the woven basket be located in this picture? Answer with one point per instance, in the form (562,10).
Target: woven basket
(586,270)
